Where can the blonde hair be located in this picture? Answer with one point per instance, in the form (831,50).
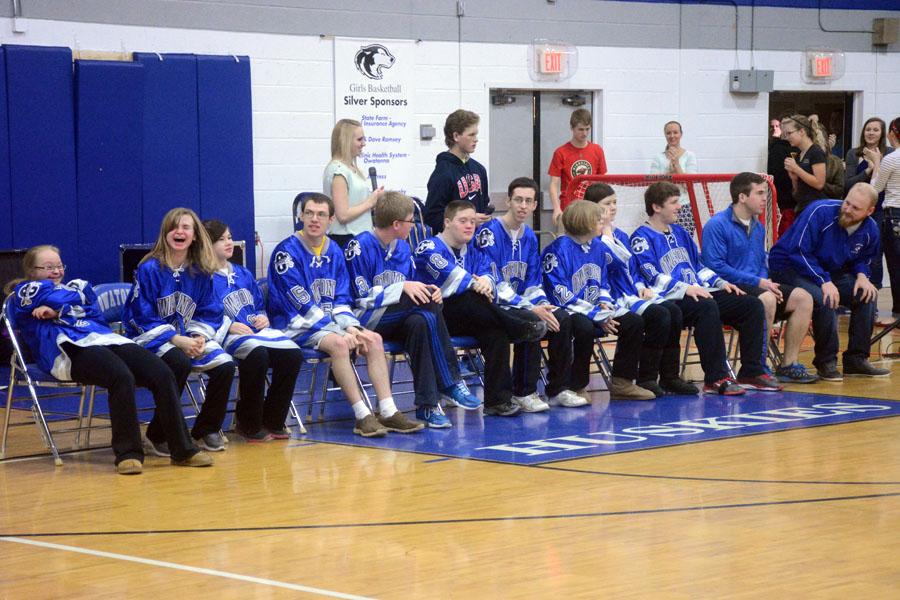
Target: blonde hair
(200,253)
(802,123)
(342,141)
(29,262)
(580,218)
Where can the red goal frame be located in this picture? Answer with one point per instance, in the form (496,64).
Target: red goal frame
(689,182)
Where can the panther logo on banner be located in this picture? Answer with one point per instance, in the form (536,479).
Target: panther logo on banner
(372,59)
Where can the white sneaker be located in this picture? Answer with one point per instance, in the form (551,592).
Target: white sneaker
(569,399)
(531,403)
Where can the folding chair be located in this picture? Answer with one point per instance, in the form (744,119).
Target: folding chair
(24,372)
(731,351)
(314,358)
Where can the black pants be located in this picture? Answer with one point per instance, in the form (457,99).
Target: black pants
(662,331)
(745,313)
(472,314)
(119,369)
(527,360)
(671,356)
(628,348)
(254,413)
(218,388)
(422,331)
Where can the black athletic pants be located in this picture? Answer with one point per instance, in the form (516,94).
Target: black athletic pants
(254,413)
(422,331)
(527,360)
(472,314)
(745,313)
(120,369)
(215,404)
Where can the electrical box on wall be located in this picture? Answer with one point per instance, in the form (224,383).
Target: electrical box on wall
(750,81)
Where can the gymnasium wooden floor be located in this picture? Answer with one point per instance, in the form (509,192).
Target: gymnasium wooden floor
(806,512)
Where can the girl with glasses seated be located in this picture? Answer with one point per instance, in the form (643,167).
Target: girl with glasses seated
(61,322)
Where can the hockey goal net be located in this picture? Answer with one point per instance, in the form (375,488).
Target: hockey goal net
(703,195)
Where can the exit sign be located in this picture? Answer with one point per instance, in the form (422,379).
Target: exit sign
(823,65)
(551,61)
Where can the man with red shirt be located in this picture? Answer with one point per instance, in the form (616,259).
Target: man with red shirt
(578,156)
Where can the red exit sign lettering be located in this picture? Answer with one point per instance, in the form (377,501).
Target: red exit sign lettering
(822,66)
(551,61)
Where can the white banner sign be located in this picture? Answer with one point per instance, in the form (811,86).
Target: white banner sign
(373,84)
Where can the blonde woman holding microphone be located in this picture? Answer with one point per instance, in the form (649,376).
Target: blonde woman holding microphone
(346,185)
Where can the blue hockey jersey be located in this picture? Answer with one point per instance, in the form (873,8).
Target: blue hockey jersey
(309,295)
(167,302)
(575,278)
(669,262)
(451,270)
(242,300)
(515,259)
(815,245)
(377,274)
(80,321)
(622,269)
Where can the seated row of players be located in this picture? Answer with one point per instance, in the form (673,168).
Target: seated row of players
(188,301)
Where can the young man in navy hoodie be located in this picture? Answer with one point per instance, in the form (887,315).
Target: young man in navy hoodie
(456,175)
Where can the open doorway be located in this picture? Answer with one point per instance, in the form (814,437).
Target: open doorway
(526,126)
(835,110)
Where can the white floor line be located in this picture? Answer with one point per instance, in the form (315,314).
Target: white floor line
(176,566)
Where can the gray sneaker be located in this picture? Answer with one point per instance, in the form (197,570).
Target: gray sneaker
(212,442)
(864,368)
(156,448)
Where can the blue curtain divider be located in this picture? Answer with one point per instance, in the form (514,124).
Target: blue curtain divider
(42,149)
(109,119)
(226,145)
(171,167)
(6,237)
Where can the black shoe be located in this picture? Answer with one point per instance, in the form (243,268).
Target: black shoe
(829,372)
(864,368)
(503,409)
(679,387)
(652,386)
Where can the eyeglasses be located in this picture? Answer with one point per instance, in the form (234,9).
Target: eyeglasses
(51,268)
(525,201)
(786,132)
(309,214)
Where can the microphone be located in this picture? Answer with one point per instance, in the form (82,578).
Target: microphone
(373,177)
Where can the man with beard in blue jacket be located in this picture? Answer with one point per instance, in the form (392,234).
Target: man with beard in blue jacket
(456,175)
(828,251)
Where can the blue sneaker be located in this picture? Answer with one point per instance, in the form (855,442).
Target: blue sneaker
(433,417)
(459,395)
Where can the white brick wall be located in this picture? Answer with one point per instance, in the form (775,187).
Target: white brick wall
(293,103)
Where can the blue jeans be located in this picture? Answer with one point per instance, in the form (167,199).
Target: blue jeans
(824,319)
